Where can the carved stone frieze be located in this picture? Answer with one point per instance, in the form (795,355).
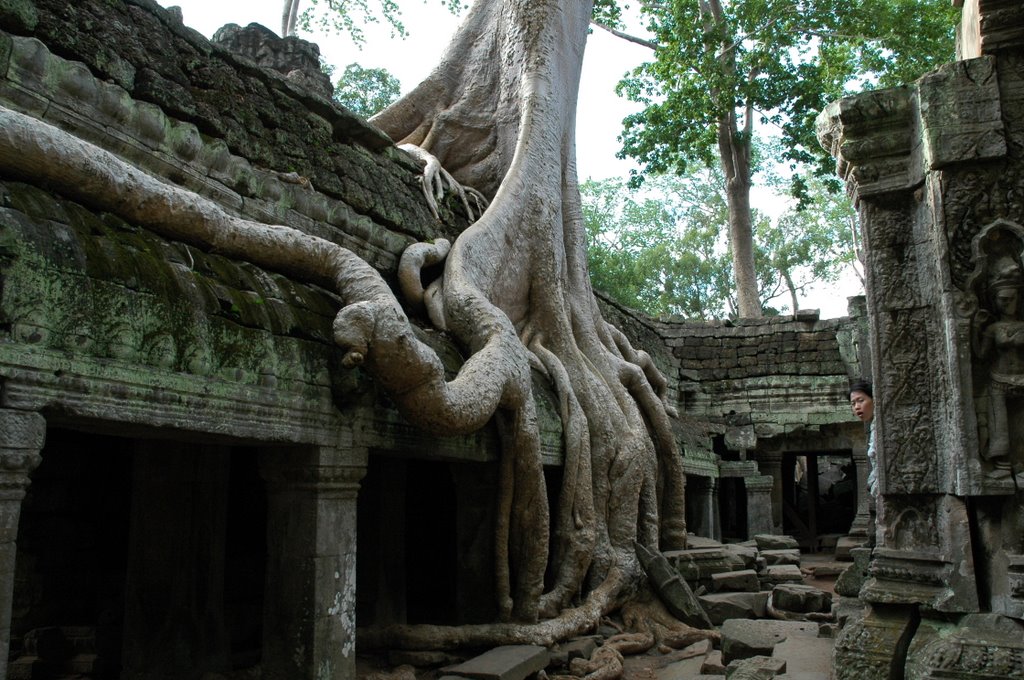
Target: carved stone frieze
(961,114)
(871,138)
(870,648)
(924,554)
(979,646)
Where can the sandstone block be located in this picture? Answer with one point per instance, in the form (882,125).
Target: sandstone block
(742,639)
(755,668)
(775,542)
(797,597)
(787,556)
(744,581)
(723,606)
(509,662)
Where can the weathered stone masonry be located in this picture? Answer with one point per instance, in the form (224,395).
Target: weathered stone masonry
(936,170)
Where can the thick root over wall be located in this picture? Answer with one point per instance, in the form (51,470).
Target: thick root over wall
(498,114)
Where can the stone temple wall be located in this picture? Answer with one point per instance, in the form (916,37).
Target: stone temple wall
(937,170)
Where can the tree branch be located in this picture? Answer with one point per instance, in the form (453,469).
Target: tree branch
(626,36)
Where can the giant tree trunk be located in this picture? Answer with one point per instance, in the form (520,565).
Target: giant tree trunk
(499,113)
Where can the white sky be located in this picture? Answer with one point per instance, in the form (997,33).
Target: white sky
(600,110)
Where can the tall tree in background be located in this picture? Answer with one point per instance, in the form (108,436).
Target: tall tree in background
(347,17)
(661,250)
(722,66)
(366,91)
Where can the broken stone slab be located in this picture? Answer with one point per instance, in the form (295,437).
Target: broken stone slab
(671,588)
(805,655)
(746,554)
(509,662)
(755,668)
(801,598)
(802,675)
(787,556)
(846,544)
(850,581)
(721,607)
(775,542)
(713,664)
(700,563)
(743,638)
(744,580)
(680,670)
(781,573)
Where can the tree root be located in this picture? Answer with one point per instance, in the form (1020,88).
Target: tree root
(435,181)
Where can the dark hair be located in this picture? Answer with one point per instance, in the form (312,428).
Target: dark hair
(862,386)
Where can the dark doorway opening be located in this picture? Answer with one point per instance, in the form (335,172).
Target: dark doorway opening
(99,557)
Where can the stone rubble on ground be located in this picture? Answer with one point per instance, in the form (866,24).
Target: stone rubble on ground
(754,592)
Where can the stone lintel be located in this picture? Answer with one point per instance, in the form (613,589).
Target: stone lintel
(989,26)
(961,113)
(871,137)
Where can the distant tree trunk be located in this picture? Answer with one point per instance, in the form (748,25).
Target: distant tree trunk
(289,15)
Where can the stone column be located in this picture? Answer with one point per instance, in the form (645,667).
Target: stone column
(862,519)
(770,464)
(21,439)
(759,504)
(309,617)
(699,490)
(716,518)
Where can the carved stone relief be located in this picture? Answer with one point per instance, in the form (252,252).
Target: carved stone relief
(997,347)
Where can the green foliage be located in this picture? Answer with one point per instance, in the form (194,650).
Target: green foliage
(778,61)
(662,250)
(347,17)
(640,257)
(366,91)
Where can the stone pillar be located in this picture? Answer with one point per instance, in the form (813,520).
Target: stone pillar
(862,518)
(309,618)
(716,517)
(759,504)
(21,439)
(770,464)
(698,490)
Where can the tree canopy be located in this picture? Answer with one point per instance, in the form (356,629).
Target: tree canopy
(661,249)
(366,91)
(773,62)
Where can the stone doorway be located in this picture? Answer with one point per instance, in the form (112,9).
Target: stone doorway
(139,557)
(819,497)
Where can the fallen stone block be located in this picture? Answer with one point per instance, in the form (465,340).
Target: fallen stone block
(775,542)
(743,581)
(846,544)
(801,598)
(755,668)
(788,556)
(510,662)
(713,664)
(745,554)
(580,648)
(701,563)
(804,675)
(742,638)
(781,573)
(723,606)
(804,655)
(671,588)
(680,670)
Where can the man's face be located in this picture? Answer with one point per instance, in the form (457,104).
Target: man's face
(863,406)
